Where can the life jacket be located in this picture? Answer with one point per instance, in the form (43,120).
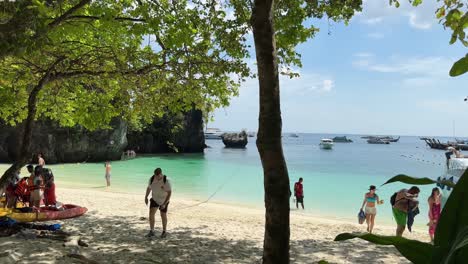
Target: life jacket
(33,187)
(22,187)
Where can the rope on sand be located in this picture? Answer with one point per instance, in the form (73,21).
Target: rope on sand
(228,178)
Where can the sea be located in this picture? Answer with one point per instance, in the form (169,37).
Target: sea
(335,180)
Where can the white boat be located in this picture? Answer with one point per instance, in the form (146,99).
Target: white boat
(456,168)
(213,133)
(326,143)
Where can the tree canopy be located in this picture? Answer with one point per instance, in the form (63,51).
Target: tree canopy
(121,58)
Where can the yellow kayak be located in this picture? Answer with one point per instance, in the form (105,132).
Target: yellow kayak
(43,213)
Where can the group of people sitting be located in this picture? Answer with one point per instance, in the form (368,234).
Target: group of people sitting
(33,190)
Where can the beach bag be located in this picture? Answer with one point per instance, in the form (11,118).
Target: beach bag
(361,217)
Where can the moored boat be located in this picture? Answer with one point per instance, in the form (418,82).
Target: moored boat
(342,139)
(326,143)
(213,133)
(377,141)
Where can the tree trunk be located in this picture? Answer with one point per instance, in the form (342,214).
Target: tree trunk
(25,144)
(276,179)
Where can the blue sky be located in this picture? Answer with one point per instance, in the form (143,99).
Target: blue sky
(385,73)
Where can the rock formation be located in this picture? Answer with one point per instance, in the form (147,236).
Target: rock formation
(181,133)
(61,145)
(69,145)
(235,140)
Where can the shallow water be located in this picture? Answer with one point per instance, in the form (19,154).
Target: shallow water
(334,180)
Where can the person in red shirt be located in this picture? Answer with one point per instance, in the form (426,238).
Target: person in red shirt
(49,192)
(299,193)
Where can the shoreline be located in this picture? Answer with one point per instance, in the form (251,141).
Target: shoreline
(116,223)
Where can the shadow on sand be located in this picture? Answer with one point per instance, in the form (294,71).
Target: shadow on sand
(122,240)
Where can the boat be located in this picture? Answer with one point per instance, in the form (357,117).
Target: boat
(213,133)
(251,134)
(326,143)
(28,214)
(389,139)
(377,140)
(342,139)
(455,169)
(294,135)
(436,144)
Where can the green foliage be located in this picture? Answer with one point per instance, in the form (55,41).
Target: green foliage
(415,251)
(460,67)
(417,181)
(131,59)
(453,15)
(451,237)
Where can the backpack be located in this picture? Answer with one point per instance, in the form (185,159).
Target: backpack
(152,178)
(393,199)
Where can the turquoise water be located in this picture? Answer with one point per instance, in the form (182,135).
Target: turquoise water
(334,180)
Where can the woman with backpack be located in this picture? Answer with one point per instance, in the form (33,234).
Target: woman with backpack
(371,199)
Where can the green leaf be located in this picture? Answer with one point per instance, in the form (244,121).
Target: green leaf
(415,251)
(417,181)
(452,223)
(460,242)
(459,67)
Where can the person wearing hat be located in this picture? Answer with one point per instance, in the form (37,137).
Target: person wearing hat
(371,199)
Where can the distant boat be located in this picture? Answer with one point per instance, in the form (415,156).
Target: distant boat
(251,134)
(389,139)
(342,139)
(213,133)
(377,141)
(326,143)
(294,135)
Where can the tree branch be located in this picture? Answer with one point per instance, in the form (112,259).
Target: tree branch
(71,74)
(115,18)
(68,13)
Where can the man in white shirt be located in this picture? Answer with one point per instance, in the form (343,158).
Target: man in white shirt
(160,189)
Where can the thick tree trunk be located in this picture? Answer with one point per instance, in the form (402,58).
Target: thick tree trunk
(276,179)
(24,154)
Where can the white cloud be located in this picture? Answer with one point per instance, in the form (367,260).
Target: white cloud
(306,84)
(376,35)
(373,21)
(420,17)
(416,66)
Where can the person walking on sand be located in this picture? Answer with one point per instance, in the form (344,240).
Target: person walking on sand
(299,193)
(160,188)
(434,211)
(400,207)
(108,173)
(371,199)
(40,160)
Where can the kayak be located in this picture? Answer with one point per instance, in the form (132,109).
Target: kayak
(43,213)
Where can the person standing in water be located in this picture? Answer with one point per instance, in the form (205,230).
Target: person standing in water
(299,193)
(40,160)
(434,211)
(161,191)
(371,199)
(108,173)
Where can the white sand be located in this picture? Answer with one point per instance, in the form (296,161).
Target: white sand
(206,233)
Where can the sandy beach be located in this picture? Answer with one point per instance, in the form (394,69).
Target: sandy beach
(116,223)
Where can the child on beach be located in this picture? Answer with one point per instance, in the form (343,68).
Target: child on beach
(434,211)
(370,201)
(49,191)
(108,173)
